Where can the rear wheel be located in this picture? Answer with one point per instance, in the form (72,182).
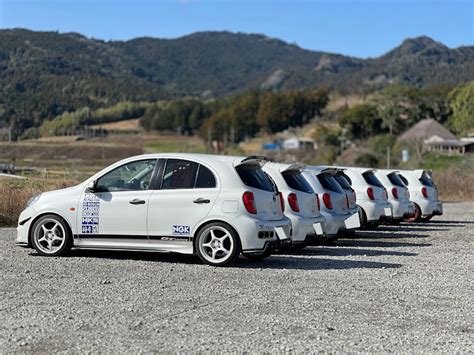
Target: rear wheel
(51,236)
(362,218)
(416,217)
(217,244)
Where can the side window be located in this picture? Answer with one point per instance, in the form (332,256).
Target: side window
(128,177)
(179,174)
(205,178)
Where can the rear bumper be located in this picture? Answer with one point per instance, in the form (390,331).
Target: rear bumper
(336,223)
(376,211)
(304,226)
(255,233)
(401,209)
(430,207)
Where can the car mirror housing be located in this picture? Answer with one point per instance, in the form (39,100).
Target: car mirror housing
(91,186)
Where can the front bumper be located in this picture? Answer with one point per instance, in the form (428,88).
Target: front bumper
(24,223)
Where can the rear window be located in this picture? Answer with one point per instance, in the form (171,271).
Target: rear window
(254,176)
(426,180)
(405,181)
(330,183)
(296,181)
(396,180)
(342,180)
(371,179)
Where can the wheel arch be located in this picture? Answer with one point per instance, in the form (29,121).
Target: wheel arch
(207,222)
(42,214)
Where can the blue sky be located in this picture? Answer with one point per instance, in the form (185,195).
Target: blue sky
(363,28)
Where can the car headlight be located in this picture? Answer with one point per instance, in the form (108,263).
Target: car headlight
(33,200)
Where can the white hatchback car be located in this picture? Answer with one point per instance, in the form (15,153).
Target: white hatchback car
(334,201)
(398,194)
(302,206)
(423,193)
(371,196)
(214,206)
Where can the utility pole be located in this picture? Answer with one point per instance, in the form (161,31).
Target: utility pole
(388,157)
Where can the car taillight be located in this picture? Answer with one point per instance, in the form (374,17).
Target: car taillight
(395,193)
(424,192)
(370,193)
(249,202)
(327,201)
(293,202)
(317,203)
(282,202)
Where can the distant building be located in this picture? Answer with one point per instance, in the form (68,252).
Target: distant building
(298,143)
(432,136)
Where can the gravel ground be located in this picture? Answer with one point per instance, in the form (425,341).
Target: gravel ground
(404,288)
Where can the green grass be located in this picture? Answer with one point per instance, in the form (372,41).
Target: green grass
(444,162)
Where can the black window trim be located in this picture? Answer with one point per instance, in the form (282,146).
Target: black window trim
(161,174)
(133,161)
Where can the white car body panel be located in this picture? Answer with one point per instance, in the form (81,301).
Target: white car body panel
(149,226)
(308,221)
(337,216)
(430,205)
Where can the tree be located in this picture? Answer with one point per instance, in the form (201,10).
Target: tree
(361,121)
(462,104)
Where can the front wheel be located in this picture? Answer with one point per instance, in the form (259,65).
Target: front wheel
(51,236)
(217,244)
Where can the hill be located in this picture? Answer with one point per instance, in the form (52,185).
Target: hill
(43,74)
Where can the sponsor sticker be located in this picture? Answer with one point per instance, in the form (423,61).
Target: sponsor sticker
(90,214)
(181,230)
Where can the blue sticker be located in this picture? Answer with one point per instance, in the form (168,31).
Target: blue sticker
(181,230)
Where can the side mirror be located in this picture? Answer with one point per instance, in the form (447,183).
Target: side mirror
(91,186)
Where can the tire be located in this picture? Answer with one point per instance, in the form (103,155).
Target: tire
(362,218)
(258,256)
(416,216)
(217,244)
(50,236)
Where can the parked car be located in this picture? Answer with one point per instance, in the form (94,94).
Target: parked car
(371,196)
(301,202)
(423,193)
(344,181)
(212,206)
(398,194)
(334,201)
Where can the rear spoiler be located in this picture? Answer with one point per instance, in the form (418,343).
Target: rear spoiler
(255,160)
(295,167)
(419,173)
(330,171)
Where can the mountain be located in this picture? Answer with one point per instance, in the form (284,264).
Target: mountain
(45,73)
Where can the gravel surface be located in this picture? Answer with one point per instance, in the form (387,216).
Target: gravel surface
(403,288)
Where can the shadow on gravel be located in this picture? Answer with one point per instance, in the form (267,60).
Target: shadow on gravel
(341,251)
(409,228)
(378,244)
(437,224)
(300,262)
(450,222)
(390,235)
(134,255)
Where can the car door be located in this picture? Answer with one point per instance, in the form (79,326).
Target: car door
(186,193)
(117,209)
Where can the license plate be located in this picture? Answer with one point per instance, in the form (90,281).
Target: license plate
(318,228)
(388,211)
(280,232)
(353,221)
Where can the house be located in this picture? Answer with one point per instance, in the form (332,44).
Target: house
(430,135)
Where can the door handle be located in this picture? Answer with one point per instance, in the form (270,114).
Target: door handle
(137,201)
(202,200)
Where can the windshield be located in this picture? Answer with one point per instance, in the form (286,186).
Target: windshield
(296,181)
(253,176)
(371,179)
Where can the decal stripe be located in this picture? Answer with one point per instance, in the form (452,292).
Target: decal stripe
(133,237)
